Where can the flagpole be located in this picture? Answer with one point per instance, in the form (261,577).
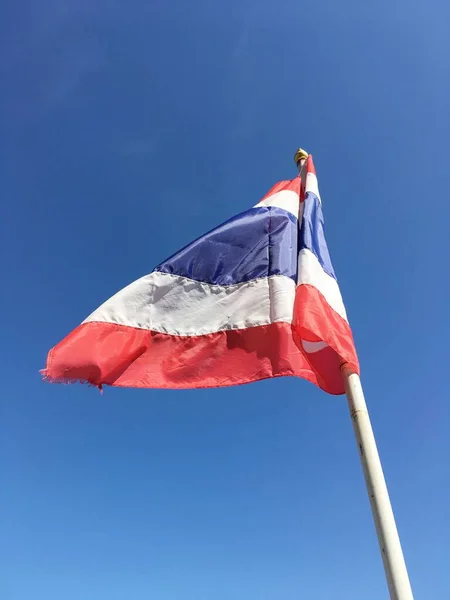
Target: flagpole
(388,538)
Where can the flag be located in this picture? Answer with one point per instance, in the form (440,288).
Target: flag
(254,298)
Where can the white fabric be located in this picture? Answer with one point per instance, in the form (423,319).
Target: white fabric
(180,306)
(311,347)
(310,272)
(286,199)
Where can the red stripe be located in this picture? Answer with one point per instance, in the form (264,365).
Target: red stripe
(310,168)
(107,353)
(290,184)
(294,185)
(315,320)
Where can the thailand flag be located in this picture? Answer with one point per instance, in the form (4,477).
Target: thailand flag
(254,298)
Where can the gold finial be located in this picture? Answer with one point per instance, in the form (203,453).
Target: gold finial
(300,155)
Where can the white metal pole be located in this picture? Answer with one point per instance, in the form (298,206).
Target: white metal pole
(391,550)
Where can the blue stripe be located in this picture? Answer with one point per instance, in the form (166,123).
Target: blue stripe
(260,242)
(312,234)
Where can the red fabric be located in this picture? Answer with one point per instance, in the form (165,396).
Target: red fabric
(314,321)
(107,353)
(289,184)
(295,185)
(310,168)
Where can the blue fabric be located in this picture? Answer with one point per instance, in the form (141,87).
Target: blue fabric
(260,242)
(312,233)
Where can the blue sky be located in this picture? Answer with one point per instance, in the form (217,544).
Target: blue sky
(130,129)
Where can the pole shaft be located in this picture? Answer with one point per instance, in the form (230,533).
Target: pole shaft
(389,541)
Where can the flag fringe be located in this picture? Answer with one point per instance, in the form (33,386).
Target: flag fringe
(68,381)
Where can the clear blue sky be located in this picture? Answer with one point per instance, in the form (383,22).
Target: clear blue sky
(128,129)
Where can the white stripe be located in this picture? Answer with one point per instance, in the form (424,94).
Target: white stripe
(287,199)
(180,306)
(310,272)
(312,185)
(312,347)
